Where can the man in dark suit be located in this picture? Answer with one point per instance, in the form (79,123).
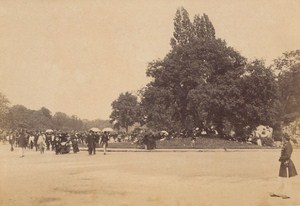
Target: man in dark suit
(287,168)
(22,142)
(91,142)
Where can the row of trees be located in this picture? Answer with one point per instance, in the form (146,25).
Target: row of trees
(18,116)
(202,82)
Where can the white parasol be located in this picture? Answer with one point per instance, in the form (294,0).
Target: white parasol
(95,129)
(49,130)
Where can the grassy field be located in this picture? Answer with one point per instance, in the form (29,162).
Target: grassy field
(185,143)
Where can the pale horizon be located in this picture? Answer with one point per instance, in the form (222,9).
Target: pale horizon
(77,57)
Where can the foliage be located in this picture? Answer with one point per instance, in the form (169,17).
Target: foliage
(258,100)
(267,141)
(18,116)
(286,61)
(202,82)
(126,111)
(195,83)
(4,109)
(287,68)
(21,117)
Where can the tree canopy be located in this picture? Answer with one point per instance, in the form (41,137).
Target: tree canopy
(125,111)
(20,117)
(287,68)
(197,80)
(202,82)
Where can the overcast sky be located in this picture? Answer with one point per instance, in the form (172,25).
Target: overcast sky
(78,56)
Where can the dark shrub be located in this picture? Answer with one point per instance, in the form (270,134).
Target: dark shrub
(266,141)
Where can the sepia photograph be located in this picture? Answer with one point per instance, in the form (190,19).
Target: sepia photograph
(150,102)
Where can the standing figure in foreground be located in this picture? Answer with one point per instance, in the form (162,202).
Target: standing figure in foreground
(104,141)
(287,167)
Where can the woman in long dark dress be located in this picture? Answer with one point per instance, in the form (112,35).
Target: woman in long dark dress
(22,142)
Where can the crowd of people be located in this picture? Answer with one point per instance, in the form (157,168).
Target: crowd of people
(63,142)
(56,141)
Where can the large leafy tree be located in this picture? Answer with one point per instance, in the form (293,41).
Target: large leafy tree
(189,83)
(46,112)
(287,68)
(157,110)
(60,120)
(183,28)
(203,82)
(38,120)
(126,111)
(19,117)
(258,101)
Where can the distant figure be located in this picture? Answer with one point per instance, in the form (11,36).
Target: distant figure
(11,140)
(56,144)
(193,141)
(104,141)
(149,141)
(22,142)
(41,142)
(91,143)
(75,140)
(36,136)
(31,141)
(48,140)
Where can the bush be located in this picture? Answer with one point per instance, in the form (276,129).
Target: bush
(277,135)
(266,141)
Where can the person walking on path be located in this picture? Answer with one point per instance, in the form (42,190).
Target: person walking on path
(287,169)
(41,142)
(11,140)
(91,143)
(104,141)
(22,142)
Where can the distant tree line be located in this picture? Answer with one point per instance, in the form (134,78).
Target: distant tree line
(202,82)
(18,116)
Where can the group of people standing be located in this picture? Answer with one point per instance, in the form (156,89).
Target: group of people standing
(59,142)
(23,139)
(92,140)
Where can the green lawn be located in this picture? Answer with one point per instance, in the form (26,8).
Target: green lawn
(185,143)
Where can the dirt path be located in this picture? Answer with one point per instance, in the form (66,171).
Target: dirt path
(155,178)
